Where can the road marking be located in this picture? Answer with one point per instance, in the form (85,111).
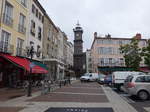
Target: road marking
(79,93)
(126,98)
(85,87)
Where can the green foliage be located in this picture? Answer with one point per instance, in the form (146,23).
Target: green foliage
(132,54)
(146,54)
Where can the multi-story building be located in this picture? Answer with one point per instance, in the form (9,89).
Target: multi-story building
(35,30)
(53,49)
(13,24)
(70,51)
(88,61)
(106,56)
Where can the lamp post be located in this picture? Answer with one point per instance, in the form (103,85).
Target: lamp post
(31,52)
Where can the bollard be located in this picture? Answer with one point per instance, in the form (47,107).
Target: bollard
(60,84)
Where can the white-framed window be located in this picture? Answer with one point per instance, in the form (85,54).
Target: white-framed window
(19,46)
(32,27)
(39,33)
(24,3)
(21,26)
(5,40)
(8,14)
(33,9)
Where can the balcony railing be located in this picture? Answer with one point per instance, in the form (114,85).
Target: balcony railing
(21,52)
(6,48)
(7,20)
(21,29)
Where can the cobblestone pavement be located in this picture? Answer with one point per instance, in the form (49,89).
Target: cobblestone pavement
(78,95)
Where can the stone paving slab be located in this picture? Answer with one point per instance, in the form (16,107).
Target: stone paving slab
(80,90)
(12,93)
(88,85)
(56,97)
(10,109)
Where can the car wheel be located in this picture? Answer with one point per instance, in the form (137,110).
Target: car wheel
(143,95)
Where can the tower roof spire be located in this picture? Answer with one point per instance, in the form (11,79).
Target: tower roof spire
(78,24)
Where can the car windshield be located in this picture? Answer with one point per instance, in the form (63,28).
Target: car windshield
(101,76)
(129,79)
(86,74)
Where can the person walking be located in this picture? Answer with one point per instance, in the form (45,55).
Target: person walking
(42,87)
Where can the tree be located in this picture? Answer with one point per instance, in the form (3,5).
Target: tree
(146,54)
(132,54)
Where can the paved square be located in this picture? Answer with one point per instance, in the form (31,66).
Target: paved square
(78,92)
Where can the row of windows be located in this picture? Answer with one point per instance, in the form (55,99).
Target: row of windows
(118,42)
(8,15)
(109,41)
(5,43)
(111,61)
(108,50)
(37,13)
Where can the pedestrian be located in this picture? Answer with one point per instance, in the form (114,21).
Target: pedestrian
(46,86)
(42,87)
(49,85)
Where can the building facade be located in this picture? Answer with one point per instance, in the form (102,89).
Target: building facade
(79,56)
(88,61)
(70,52)
(106,54)
(35,30)
(13,24)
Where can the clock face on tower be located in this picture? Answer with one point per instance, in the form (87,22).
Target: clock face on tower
(77,34)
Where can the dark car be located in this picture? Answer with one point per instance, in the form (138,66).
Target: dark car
(108,79)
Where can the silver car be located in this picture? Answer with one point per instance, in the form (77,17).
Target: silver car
(138,85)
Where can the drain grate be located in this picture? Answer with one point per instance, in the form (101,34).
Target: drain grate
(79,110)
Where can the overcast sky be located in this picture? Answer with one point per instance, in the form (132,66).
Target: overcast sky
(120,18)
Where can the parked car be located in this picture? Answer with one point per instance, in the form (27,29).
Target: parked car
(138,85)
(118,78)
(108,79)
(89,77)
(101,78)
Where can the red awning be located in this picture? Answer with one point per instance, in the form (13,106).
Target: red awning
(24,63)
(144,69)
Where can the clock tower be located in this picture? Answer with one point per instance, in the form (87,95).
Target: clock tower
(79,56)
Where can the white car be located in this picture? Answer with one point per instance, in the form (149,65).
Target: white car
(119,77)
(89,77)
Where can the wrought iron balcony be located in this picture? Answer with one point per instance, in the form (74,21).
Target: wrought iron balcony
(22,52)
(7,20)
(6,48)
(21,29)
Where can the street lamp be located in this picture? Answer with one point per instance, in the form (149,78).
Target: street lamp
(31,53)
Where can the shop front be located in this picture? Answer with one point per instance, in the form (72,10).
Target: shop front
(15,70)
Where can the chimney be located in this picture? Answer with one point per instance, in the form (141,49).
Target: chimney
(95,34)
(138,36)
